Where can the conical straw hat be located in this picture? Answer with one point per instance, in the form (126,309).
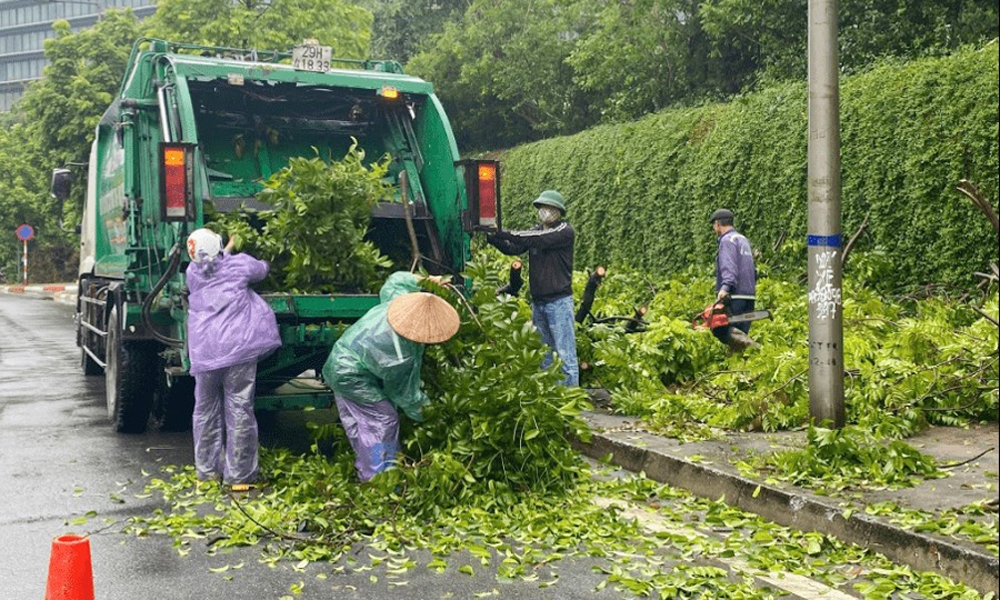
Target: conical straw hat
(423,317)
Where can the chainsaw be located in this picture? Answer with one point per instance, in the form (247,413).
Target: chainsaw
(718,315)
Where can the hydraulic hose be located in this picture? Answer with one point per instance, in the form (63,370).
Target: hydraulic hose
(174,262)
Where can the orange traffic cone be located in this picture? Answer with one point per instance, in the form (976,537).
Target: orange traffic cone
(70,574)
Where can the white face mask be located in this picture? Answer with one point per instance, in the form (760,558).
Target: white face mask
(548,215)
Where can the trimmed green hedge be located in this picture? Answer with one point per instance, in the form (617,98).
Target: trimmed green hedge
(640,193)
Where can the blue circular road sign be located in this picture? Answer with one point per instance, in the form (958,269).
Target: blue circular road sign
(25,232)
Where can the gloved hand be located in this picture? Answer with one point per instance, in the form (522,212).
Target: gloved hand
(498,236)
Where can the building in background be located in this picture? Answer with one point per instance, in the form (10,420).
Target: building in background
(25,25)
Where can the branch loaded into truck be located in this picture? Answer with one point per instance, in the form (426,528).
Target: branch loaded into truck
(198,129)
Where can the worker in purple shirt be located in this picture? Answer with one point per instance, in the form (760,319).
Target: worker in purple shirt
(230,327)
(735,273)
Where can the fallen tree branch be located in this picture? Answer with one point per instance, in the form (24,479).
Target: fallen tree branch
(277,534)
(589,292)
(515,280)
(879,319)
(953,388)
(952,408)
(985,316)
(410,230)
(778,242)
(695,383)
(784,385)
(854,238)
(969,189)
(472,312)
(965,462)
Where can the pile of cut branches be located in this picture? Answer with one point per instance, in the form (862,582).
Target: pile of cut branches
(313,234)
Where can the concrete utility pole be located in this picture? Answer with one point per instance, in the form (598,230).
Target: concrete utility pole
(826,324)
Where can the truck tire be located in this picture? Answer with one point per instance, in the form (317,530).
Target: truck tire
(175,404)
(130,369)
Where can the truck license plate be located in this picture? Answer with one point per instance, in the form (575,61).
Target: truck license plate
(312,58)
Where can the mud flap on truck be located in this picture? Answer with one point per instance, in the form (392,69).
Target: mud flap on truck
(174,403)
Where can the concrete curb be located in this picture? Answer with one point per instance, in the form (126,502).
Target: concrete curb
(65,297)
(59,292)
(803,512)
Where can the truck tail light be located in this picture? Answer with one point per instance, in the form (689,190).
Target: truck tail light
(177,181)
(482,187)
(487,175)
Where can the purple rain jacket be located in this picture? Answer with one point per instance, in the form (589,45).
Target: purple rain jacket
(228,323)
(734,268)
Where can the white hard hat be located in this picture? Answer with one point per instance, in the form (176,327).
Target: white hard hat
(204,244)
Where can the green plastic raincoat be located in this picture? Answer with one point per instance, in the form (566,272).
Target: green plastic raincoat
(371,362)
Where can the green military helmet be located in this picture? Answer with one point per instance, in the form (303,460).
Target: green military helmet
(551,198)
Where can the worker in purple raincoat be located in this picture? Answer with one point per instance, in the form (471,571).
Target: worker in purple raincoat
(230,328)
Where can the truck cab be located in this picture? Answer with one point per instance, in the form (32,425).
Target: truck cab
(196,130)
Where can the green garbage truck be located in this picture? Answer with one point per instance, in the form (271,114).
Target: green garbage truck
(198,129)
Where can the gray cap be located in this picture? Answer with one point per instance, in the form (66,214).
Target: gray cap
(722,213)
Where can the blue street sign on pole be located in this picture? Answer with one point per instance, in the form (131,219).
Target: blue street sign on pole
(25,232)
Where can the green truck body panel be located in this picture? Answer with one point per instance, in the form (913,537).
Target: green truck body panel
(244,121)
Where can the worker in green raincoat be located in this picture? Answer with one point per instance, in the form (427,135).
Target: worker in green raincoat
(374,368)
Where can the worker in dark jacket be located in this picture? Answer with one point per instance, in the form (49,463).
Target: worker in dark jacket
(735,273)
(550,261)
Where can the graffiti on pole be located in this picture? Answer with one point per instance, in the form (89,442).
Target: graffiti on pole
(824,295)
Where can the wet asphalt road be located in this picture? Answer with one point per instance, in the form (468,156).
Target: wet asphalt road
(60,460)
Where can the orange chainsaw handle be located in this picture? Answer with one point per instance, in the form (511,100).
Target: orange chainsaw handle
(713,316)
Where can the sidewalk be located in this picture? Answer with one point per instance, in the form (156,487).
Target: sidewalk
(707,469)
(64,293)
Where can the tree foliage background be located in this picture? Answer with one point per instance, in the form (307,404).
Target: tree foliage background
(264,24)
(596,62)
(507,71)
(640,193)
(53,126)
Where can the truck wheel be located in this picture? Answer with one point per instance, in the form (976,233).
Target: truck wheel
(176,404)
(130,369)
